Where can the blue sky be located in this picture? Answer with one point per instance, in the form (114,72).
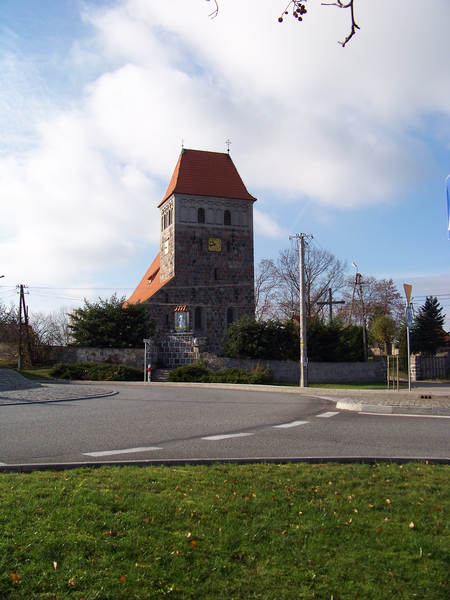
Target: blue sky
(349,144)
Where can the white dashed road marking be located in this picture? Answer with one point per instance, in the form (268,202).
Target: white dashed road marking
(293,424)
(124,451)
(225,437)
(328,414)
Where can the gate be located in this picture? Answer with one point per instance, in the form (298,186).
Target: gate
(397,371)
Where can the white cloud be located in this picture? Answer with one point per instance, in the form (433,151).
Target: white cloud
(308,120)
(267,226)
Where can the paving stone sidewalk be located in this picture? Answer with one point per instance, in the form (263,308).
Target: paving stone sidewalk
(16,389)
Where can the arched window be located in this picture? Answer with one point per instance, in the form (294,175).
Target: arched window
(201,215)
(227,217)
(230,316)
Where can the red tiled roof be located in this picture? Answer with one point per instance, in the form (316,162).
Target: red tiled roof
(149,284)
(202,173)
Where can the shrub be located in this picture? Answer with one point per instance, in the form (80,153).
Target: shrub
(198,373)
(86,371)
(262,340)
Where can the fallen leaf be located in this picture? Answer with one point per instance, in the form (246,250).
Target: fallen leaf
(388,501)
(193,543)
(123,579)
(379,530)
(15,578)
(72,582)
(411,525)
(147,520)
(55,564)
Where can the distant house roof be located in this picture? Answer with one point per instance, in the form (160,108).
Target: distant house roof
(202,173)
(149,284)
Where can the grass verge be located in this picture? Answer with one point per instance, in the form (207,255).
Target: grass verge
(227,532)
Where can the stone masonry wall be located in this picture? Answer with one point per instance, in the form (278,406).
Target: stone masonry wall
(133,357)
(289,372)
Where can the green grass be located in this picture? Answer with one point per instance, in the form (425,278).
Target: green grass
(339,386)
(351,386)
(270,532)
(36,373)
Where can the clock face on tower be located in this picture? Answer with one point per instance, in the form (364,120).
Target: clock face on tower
(214,244)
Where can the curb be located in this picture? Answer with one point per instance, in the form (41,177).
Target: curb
(390,409)
(29,468)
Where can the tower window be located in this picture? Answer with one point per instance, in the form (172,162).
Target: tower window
(201,215)
(198,318)
(230,316)
(215,274)
(227,217)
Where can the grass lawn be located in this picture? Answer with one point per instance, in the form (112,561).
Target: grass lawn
(36,373)
(227,532)
(340,386)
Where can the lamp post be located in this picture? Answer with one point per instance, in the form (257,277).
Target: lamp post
(359,282)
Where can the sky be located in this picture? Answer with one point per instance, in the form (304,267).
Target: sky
(97,98)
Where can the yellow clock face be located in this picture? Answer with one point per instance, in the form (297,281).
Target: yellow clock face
(215,244)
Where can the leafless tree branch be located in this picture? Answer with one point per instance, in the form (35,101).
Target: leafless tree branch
(349,5)
(215,12)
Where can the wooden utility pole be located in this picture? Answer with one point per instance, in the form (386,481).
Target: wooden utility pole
(23,307)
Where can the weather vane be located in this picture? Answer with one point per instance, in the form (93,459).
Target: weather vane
(228,143)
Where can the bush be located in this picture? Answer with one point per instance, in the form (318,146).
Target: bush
(111,323)
(198,373)
(262,340)
(86,371)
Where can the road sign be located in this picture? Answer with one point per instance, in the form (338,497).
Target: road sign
(409,317)
(408,290)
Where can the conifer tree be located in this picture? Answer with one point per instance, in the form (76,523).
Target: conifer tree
(427,334)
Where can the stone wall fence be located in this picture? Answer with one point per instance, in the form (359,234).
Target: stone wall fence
(280,371)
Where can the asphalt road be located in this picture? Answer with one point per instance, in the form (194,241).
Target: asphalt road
(142,423)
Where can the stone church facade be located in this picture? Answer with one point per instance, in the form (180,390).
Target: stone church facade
(203,276)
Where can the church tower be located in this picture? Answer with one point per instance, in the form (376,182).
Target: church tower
(206,260)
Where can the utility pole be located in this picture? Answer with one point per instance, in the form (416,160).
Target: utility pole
(23,306)
(358,282)
(303,344)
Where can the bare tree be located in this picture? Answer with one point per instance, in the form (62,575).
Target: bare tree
(52,329)
(280,281)
(266,306)
(380,297)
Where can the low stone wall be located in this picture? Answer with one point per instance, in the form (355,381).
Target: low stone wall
(184,350)
(133,357)
(289,372)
